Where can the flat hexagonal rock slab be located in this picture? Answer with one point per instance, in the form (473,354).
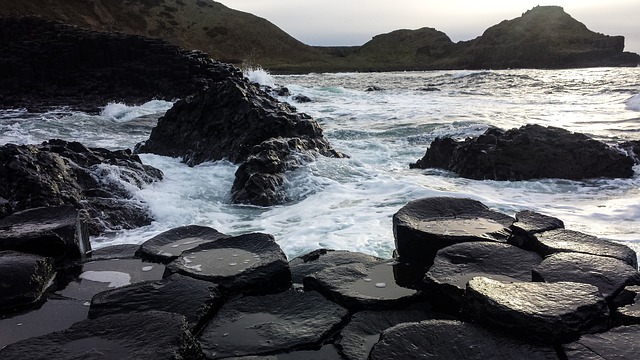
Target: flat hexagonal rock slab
(424,226)
(180,294)
(562,240)
(622,343)
(450,339)
(529,223)
(608,274)
(251,263)
(23,278)
(151,335)
(365,327)
(167,246)
(551,312)
(629,312)
(359,286)
(321,259)
(455,265)
(255,325)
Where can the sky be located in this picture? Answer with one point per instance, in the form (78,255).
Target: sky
(354,22)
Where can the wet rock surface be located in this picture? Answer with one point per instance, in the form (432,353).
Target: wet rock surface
(23,278)
(167,246)
(321,259)
(529,152)
(529,223)
(58,172)
(251,263)
(628,312)
(551,312)
(622,343)
(608,274)
(255,325)
(449,339)
(151,335)
(456,265)
(422,227)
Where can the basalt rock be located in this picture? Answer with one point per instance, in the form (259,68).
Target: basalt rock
(167,246)
(321,259)
(50,64)
(97,180)
(529,223)
(622,343)
(529,152)
(25,277)
(628,312)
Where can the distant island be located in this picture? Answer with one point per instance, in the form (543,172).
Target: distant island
(543,37)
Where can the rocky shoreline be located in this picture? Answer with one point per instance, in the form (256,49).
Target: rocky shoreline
(466,282)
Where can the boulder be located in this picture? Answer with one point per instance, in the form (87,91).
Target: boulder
(364,329)
(250,263)
(450,339)
(528,152)
(97,180)
(362,285)
(628,312)
(122,251)
(548,312)
(254,325)
(24,278)
(455,265)
(151,335)
(622,343)
(321,259)
(608,274)
(58,232)
(529,223)
(167,246)
(562,240)
(424,226)
(195,299)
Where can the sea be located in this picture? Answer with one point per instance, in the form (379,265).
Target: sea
(349,203)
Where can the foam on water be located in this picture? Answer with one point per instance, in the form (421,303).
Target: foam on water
(260,76)
(120,112)
(633,103)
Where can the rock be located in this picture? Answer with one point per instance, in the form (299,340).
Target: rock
(151,335)
(167,246)
(622,343)
(58,232)
(57,173)
(424,226)
(364,329)
(254,325)
(529,223)
(362,285)
(633,149)
(50,64)
(195,299)
(52,316)
(321,259)
(101,275)
(529,152)
(24,278)
(449,339)
(629,311)
(561,240)
(455,265)
(250,264)
(302,99)
(123,251)
(549,312)
(608,274)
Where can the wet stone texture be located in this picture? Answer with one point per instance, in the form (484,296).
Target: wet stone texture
(608,274)
(449,339)
(23,278)
(256,325)
(629,311)
(550,312)
(167,246)
(321,259)
(529,223)
(424,226)
(359,286)
(622,343)
(251,263)
(151,335)
(180,294)
(563,240)
(455,265)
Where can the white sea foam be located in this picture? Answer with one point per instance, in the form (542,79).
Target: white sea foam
(260,76)
(121,112)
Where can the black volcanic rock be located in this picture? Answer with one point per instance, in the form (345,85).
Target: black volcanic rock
(57,172)
(628,312)
(46,63)
(151,335)
(551,312)
(424,226)
(321,259)
(529,152)
(167,246)
(622,343)
(529,223)
(25,277)
(450,339)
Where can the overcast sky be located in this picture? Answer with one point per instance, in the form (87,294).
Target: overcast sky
(354,22)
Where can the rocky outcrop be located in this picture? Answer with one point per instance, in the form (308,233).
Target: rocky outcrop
(57,173)
(50,64)
(25,277)
(529,152)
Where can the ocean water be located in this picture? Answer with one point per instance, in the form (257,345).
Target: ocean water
(348,203)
